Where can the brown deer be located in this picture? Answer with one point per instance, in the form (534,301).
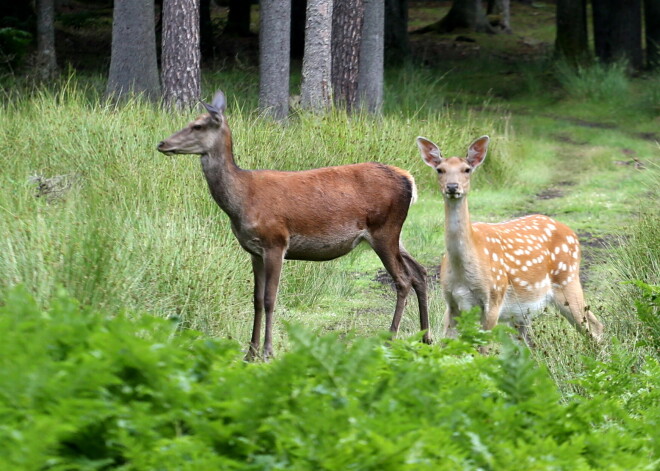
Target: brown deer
(318,215)
(510,270)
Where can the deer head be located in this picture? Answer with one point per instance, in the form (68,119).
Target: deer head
(454,172)
(202,134)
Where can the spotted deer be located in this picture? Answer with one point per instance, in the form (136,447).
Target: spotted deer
(510,270)
(318,215)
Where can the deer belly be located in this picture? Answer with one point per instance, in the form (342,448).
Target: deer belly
(321,248)
(518,307)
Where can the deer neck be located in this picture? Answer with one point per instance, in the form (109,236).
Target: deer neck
(224,177)
(459,235)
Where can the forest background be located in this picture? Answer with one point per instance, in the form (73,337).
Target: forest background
(126,300)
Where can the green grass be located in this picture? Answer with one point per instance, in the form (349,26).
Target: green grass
(139,231)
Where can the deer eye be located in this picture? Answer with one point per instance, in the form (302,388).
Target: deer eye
(467,170)
(440,170)
(197,127)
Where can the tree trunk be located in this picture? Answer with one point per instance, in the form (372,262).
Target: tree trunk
(504,10)
(46,57)
(316,93)
(602,19)
(238,19)
(618,30)
(274,42)
(133,65)
(370,75)
(298,22)
(652,27)
(347,18)
(571,41)
(397,45)
(180,61)
(464,14)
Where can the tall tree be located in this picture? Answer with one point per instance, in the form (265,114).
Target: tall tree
(571,39)
(315,90)
(370,74)
(180,61)
(397,45)
(503,9)
(133,65)
(463,14)
(46,57)
(618,30)
(652,28)
(274,43)
(347,21)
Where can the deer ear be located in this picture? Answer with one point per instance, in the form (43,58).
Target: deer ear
(219,102)
(431,154)
(477,151)
(210,108)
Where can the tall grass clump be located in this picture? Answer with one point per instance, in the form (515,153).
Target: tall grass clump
(635,265)
(595,82)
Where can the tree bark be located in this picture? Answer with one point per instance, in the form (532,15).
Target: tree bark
(571,40)
(133,65)
(46,57)
(180,61)
(370,72)
(397,44)
(652,27)
(274,43)
(504,10)
(316,92)
(618,30)
(347,20)
(464,14)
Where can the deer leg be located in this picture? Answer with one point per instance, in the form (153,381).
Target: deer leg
(396,267)
(490,315)
(449,325)
(259,285)
(569,300)
(273,260)
(419,274)
(523,328)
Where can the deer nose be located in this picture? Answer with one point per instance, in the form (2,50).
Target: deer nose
(452,188)
(160,144)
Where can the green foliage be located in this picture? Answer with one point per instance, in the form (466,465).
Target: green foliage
(648,312)
(87,391)
(14,44)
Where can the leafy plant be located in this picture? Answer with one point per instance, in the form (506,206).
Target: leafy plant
(648,312)
(85,390)
(14,44)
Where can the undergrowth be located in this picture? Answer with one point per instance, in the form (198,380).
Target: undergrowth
(89,390)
